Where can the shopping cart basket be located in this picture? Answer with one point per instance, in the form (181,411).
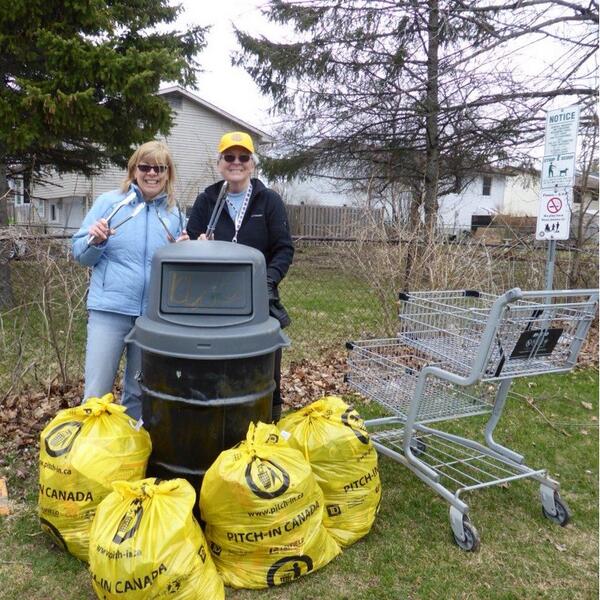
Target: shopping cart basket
(455,356)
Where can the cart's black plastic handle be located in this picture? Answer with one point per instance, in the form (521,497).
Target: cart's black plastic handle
(405,296)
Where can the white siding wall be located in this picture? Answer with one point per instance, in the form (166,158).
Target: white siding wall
(318,191)
(456,210)
(521,198)
(193,142)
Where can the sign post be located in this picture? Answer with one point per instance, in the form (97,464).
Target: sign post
(557,178)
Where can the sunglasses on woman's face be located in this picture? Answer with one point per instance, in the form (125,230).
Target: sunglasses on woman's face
(243,158)
(155,168)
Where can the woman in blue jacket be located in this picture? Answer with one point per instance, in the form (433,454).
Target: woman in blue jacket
(120,257)
(255,216)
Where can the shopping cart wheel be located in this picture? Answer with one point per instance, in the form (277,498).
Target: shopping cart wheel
(471,540)
(562,515)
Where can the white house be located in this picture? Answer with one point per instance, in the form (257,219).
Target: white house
(522,194)
(476,204)
(511,192)
(318,191)
(483,196)
(197,128)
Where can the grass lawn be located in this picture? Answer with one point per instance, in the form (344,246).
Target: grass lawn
(552,420)
(409,553)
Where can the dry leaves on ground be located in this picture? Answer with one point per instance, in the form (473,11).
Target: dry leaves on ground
(305,381)
(23,416)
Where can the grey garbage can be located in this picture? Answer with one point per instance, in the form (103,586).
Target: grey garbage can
(208,346)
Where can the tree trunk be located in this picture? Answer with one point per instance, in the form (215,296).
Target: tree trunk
(574,274)
(6,295)
(432,167)
(413,240)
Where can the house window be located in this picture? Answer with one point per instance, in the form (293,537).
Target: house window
(487,185)
(18,187)
(175,101)
(54,216)
(40,207)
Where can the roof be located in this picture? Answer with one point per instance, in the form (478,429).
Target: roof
(177,89)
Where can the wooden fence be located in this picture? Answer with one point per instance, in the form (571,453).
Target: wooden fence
(23,214)
(330,222)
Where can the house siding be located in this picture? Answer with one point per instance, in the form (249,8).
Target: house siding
(193,141)
(522,196)
(456,210)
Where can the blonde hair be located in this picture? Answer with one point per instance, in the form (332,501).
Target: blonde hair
(155,152)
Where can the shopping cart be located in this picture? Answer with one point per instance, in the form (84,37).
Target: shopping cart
(455,356)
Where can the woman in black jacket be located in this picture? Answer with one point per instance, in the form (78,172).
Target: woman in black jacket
(255,216)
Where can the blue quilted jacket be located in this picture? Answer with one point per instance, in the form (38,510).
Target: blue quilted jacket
(121,265)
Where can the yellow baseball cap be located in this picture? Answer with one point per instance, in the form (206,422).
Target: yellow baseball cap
(236,138)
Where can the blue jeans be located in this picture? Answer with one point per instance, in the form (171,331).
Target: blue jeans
(106,333)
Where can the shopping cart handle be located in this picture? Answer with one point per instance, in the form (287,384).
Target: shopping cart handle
(512,295)
(349,345)
(405,296)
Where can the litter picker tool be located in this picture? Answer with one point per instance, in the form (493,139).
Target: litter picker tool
(127,200)
(216,213)
(139,208)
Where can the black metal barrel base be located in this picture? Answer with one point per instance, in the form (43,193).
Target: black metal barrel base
(194,409)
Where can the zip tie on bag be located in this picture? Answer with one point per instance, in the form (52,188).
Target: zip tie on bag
(97,406)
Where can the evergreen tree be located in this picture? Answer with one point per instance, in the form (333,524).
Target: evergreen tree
(78,79)
(78,82)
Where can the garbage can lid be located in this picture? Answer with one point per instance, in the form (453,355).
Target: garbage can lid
(208,299)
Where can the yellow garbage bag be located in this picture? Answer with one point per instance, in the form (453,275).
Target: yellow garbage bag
(83,450)
(263,511)
(334,440)
(145,544)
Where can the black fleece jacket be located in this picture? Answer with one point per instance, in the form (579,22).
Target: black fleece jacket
(265,225)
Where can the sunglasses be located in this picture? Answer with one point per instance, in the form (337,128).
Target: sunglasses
(243,158)
(155,168)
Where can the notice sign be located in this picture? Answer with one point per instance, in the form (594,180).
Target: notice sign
(554,215)
(558,170)
(561,131)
